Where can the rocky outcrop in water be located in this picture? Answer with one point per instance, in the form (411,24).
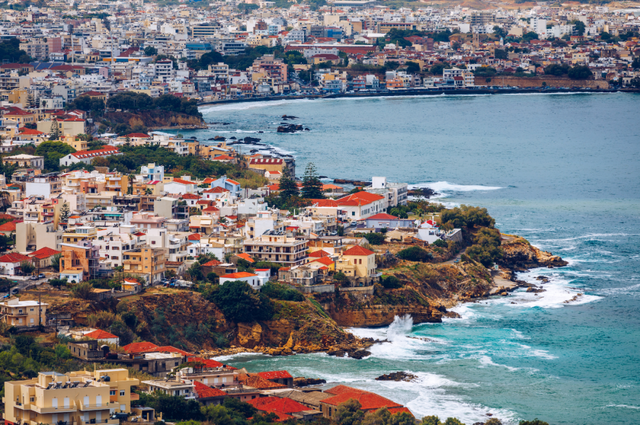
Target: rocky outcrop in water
(306,382)
(520,255)
(289,128)
(397,376)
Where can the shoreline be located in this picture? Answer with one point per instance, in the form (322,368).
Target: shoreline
(418,92)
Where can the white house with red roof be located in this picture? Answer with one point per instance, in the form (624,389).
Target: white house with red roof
(182,185)
(386,221)
(361,205)
(10,263)
(103,336)
(88,156)
(254,280)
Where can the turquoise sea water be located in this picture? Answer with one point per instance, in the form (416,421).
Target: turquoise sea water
(560,170)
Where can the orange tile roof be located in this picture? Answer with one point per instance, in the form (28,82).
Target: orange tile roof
(13,257)
(276,374)
(357,250)
(238,275)
(190,196)
(182,181)
(323,260)
(194,237)
(259,383)
(8,227)
(319,254)
(246,257)
(42,253)
(324,203)
(212,263)
(139,347)
(368,401)
(360,198)
(204,391)
(100,334)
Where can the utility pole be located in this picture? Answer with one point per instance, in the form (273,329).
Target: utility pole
(39,311)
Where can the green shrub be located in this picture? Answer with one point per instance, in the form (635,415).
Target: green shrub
(440,243)
(240,303)
(534,422)
(277,291)
(415,253)
(374,238)
(390,282)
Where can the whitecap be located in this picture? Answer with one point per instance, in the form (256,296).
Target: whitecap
(487,361)
(444,186)
(623,406)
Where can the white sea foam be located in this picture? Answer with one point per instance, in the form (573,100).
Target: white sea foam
(487,361)
(235,356)
(623,406)
(249,105)
(444,186)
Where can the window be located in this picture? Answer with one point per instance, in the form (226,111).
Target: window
(112,392)
(122,393)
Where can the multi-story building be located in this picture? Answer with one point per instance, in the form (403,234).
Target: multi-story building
(148,263)
(18,313)
(276,247)
(25,161)
(72,398)
(79,261)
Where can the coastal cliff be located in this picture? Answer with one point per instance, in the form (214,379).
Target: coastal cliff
(156,119)
(520,255)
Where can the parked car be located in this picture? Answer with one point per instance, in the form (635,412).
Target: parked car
(41,276)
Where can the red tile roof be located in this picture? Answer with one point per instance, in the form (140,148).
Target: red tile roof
(324,203)
(105,151)
(245,257)
(276,374)
(140,135)
(43,253)
(182,181)
(238,275)
(381,216)
(368,401)
(194,237)
(357,250)
(169,349)
(204,391)
(190,196)
(319,254)
(323,260)
(30,132)
(216,190)
(212,263)
(13,257)
(100,334)
(282,405)
(360,198)
(255,381)
(8,227)
(139,347)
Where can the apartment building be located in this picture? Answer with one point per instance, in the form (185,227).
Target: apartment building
(277,247)
(79,261)
(18,313)
(73,398)
(148,263)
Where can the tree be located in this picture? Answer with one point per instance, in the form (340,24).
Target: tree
(27,267)
(195,272)
(536,421)
(453,421)
(82,290)
(55,261)
(580,72)
(636,63)
(415,253)
(349,413)
(54,133)
(288,187)
(311,184)
(64,212)
(150,51)
(413,67)
(578,27)
(437,68)
(240,303)
(500,32)
(430,420)
(57,283)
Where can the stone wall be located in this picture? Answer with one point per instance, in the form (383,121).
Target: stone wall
(550,80)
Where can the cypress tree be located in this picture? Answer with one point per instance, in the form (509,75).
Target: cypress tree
(311,184)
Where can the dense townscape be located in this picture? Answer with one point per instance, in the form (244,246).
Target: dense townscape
(131,256)
(56,52)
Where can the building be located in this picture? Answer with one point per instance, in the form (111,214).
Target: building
(358,264)
(251,278)
(172,387)
(88,156)
(148,263)
(276,247)
(81,259)
(25,161)
(10,263)
(386,221)
(369,402)
(72,398)
(18,313)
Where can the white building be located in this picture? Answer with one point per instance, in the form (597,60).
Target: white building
(254,280)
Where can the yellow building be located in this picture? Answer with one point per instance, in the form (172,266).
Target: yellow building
(357,262)
(80,234)
(14,312)
(73,398)
(145,262)
(77,144)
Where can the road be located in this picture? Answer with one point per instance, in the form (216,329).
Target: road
(23,285)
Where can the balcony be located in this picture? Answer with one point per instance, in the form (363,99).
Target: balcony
(92,407)
(60,409)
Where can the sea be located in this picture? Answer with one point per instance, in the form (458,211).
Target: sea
(563,171)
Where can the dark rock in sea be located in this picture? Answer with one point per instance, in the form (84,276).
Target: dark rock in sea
(535,289)
(451,315)
(260,132)
(289,117)
(251,139)
(543,279)
(289,128)
(337,352)
(397,376)
(219,138)
(306,129)
(359,354)
(226,123)
(305,382)
(232,137)
(212,138)
(424,192)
